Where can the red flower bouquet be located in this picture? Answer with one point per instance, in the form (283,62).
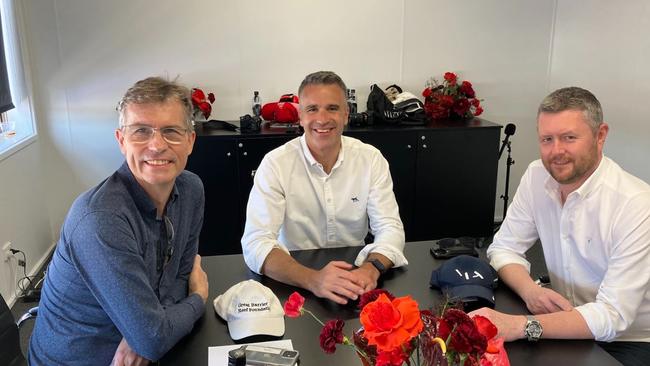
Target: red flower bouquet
(451,99)
(202,104)
(395,332)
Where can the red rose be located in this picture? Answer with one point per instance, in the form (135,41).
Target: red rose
(372,295)
(446,100)
(465,338)
(211,97)
(485,326)
(391,324)
(395,357)
(205,108)
(466,88)
(331,335)
(451,78)
(427,92)
(461,107)
(436,110)
(293,305)
(478,112)
(197,96)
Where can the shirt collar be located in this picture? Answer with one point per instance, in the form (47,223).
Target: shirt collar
(588,186)
(140,197)
(312,161)
(593,181)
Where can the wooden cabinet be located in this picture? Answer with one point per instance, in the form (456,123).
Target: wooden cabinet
(444,177)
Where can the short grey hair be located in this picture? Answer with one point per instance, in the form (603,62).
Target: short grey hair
(577,99)
(322,78)
(157,90)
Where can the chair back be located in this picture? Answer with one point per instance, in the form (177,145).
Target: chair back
(10,353)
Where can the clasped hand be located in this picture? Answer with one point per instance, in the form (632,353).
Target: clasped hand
(340,281)
(540,300)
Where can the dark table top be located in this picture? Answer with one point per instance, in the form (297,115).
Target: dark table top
(225,271)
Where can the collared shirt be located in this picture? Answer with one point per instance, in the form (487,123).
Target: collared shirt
(596,245)
(295,204)
(114,275)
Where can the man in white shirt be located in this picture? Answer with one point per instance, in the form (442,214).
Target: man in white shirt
(321,190)
(593,220)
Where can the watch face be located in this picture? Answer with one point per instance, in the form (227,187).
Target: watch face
(533,330)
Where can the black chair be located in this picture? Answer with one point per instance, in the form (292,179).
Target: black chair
(10,352)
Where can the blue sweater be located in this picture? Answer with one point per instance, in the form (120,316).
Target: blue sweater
(112,275)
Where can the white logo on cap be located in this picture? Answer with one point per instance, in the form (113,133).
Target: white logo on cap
(466,275)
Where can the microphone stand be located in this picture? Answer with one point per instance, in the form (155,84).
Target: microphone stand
(504,196)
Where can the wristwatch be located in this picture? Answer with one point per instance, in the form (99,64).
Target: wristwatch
(533,330)
(377,264)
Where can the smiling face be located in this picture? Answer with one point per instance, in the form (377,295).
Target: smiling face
(155,163)
(323,115)
(569,149)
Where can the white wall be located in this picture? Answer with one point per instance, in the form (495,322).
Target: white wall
(85,53)
(604,46)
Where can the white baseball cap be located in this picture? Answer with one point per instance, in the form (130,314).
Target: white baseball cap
(250,308)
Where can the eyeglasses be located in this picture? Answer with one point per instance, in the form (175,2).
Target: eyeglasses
(141,134)
(165,255)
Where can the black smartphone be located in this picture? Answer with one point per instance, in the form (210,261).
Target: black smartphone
(450,247)
(270,356)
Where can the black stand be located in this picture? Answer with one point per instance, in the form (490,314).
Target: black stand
(504,196)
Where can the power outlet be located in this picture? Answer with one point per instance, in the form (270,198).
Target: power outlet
(6,252)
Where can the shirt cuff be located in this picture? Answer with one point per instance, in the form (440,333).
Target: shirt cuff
(198,307)
(597,316)
(393,254)
(500,257)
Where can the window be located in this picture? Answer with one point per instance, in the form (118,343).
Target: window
(19,93)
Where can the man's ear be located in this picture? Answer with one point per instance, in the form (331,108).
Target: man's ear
(192,138)
(603,130)
(119,136)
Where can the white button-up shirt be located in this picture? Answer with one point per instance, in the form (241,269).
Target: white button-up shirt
(295,204)
(596,246)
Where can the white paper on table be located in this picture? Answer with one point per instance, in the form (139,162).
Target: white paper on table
(218,355)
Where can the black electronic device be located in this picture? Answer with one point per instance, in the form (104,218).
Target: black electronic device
(219,125)
(270,356)
(250,123)
(452,247)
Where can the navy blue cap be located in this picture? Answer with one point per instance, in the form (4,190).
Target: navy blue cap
(466,278)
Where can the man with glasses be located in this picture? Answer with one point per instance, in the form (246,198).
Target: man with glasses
(125,282)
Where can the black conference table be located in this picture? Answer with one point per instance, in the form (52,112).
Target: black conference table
(227,270)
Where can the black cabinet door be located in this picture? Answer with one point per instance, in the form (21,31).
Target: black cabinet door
(250,152)
(214,160)
(399,149)
(455,183)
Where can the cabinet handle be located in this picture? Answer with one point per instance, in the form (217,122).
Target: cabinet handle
(423,137)
(241,145)
(245,153)
(408,146)
(424,146)
(227,154)
(253,173)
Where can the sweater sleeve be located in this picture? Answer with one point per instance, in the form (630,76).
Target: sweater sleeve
(108,260)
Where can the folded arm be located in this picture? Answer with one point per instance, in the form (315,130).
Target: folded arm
(109,262)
